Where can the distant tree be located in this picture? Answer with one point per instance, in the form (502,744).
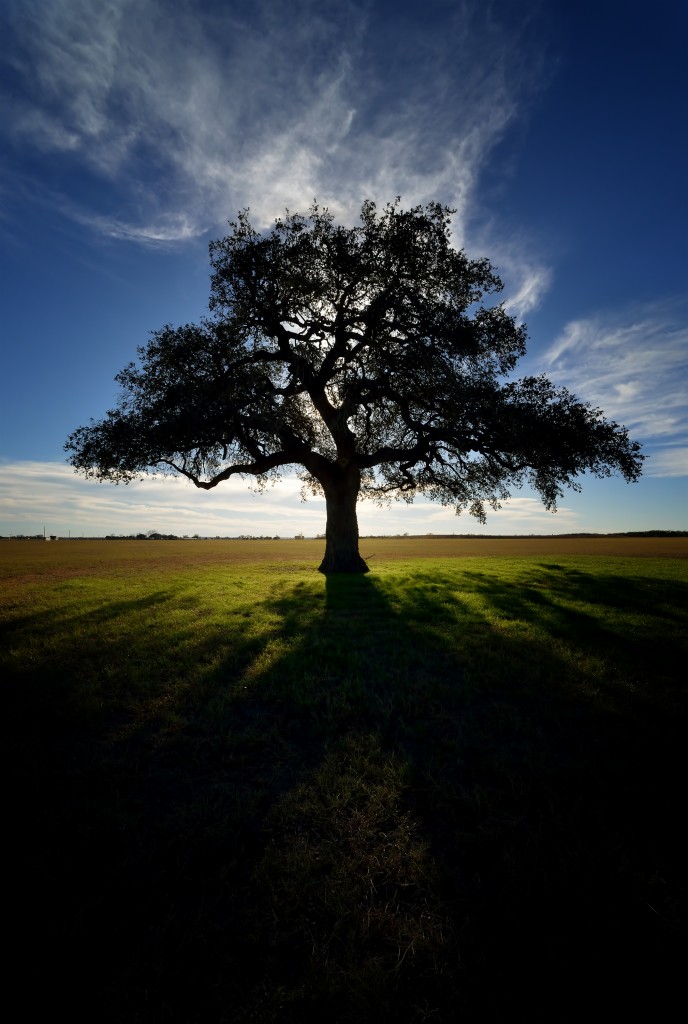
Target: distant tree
(363,357)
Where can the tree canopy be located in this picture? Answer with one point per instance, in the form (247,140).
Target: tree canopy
(365,358)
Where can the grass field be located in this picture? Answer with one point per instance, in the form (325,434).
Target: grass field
(240,791)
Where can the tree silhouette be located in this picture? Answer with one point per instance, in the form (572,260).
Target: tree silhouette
(364,357)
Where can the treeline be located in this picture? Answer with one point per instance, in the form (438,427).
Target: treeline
(642,533)
(173,536)
(529,536)
(143,536)
(153,535)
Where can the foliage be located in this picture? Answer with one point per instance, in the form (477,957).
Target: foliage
(362,356)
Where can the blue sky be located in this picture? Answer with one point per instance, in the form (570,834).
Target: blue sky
(133,130)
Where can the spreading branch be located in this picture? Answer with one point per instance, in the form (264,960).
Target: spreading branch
(369,351)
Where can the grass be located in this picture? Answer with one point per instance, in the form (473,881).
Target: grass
(238,791)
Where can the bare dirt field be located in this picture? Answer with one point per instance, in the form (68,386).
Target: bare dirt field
(67,558)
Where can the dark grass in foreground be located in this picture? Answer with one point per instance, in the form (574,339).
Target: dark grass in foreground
(445,790)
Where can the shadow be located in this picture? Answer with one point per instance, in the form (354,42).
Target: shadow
(407,799)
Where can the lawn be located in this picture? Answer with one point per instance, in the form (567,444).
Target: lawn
(239,791)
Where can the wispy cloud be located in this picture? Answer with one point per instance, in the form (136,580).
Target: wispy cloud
(189,115)
(34,495)
(526,285)
(634,365)
(668,462)
(37,494)
(518,515)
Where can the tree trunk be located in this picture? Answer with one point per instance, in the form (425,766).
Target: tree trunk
(341,532)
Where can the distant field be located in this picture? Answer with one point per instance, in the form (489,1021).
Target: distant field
(238,791)
(25,557)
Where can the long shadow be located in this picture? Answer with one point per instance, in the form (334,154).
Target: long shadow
(574,848)
(403,814)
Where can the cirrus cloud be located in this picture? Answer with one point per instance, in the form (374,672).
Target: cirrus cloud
(34,495)
(633,364)
(193,114)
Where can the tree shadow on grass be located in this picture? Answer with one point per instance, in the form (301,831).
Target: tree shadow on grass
(540,795)
(399,804)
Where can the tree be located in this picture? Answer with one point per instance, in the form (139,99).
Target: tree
(364,357)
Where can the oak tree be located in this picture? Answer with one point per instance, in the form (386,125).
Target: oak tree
(365,358)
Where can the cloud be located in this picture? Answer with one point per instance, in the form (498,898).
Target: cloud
(633,364)
(526,285)
(34,495)
(37,494)
(518,515)
(668,462)
(523,272)
(189,116)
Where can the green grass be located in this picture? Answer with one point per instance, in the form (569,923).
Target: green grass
(451,788)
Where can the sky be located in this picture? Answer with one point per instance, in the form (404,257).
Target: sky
(132,131)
